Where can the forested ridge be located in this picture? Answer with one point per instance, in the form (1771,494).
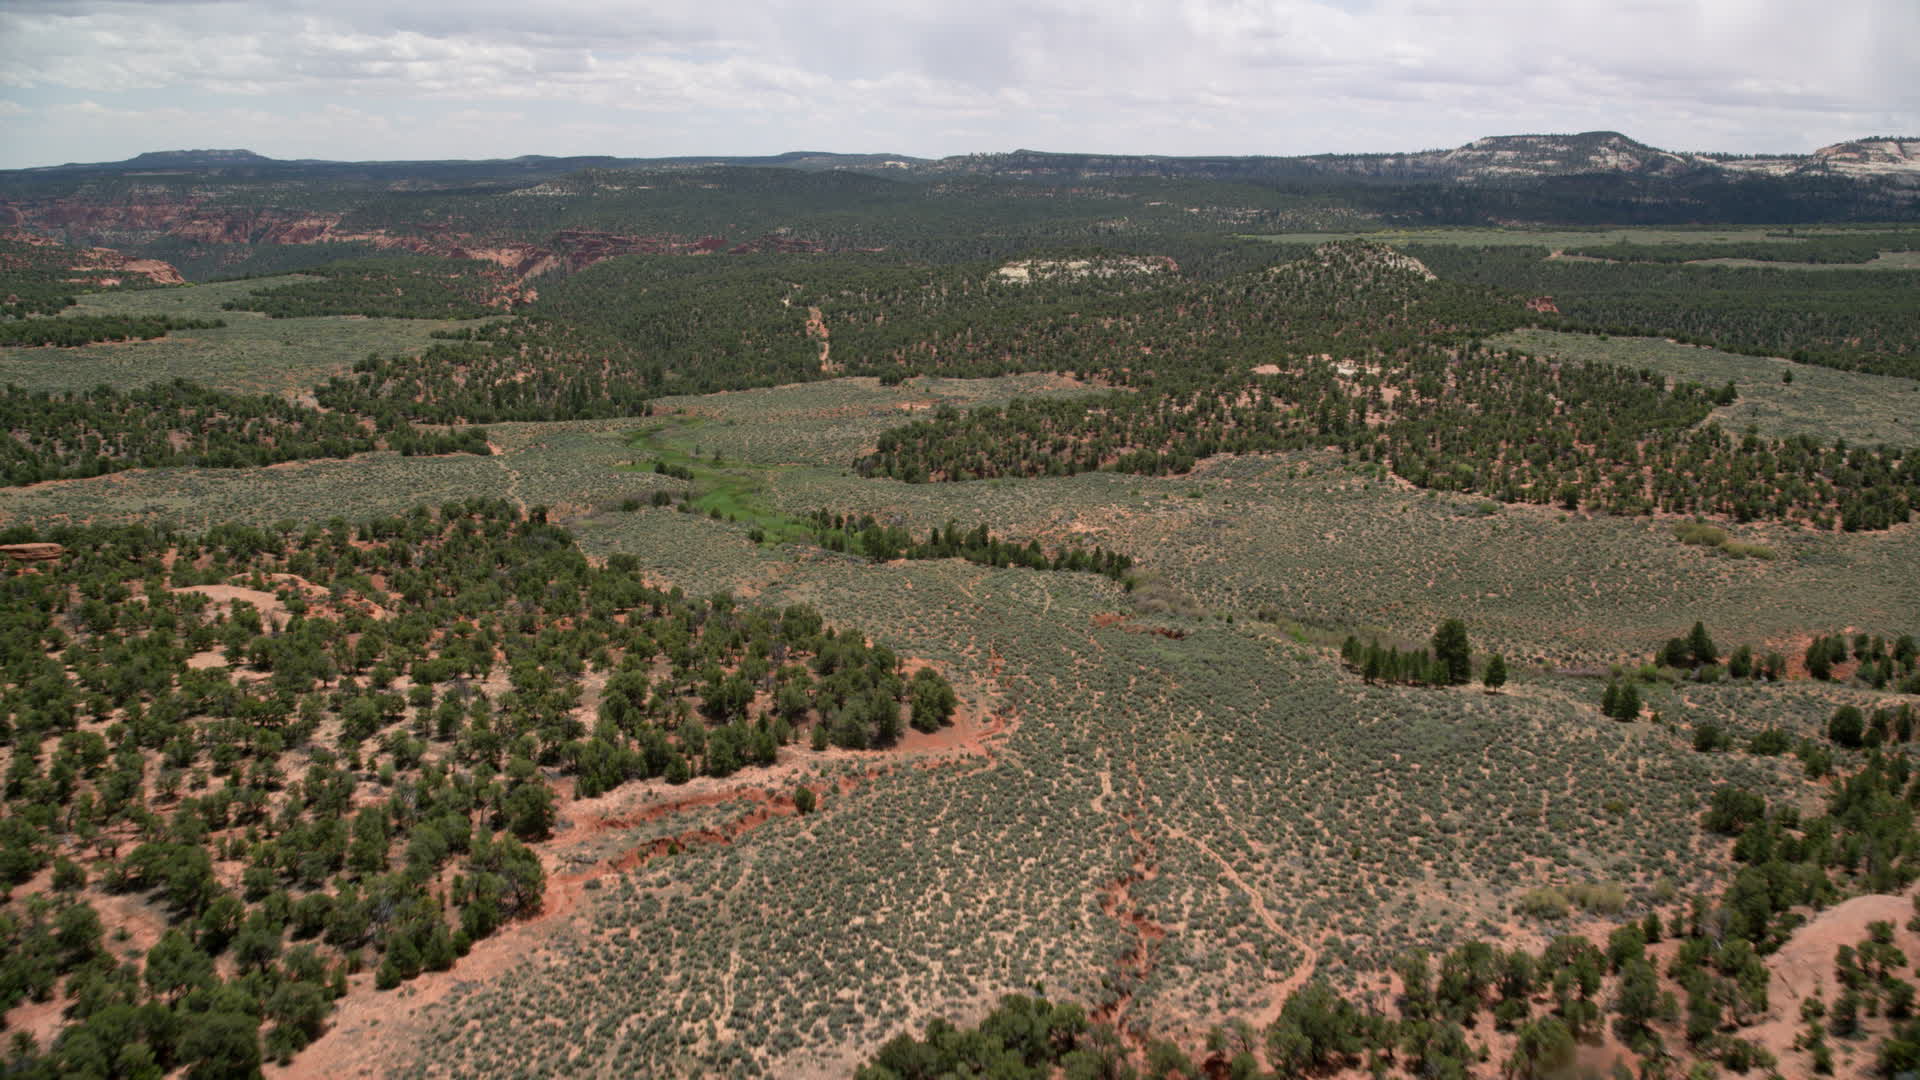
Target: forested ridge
(863,535)
(1854,322)
(399,287)
(313,749)
(1413,392)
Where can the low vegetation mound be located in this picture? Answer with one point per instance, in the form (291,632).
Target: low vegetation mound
(1023,271)
(1359,263)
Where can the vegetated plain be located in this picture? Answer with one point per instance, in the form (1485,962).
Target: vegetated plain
(251,353)
(1164,798)
(1776,397)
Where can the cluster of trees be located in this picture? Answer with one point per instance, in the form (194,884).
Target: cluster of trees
(1621,701)
(864,535)
(340,750)
(1625,442)
(83,330)
(1464,419)
(406,287)
(1851,727)
(520,370)
(90,433)
(1879,663)
(1448,663)
(1701,660)
(1022,1037)
(63,435)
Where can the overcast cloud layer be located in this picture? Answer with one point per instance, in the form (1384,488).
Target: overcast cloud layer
(92,80)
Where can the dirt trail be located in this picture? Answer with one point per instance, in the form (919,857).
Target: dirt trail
(1106,792)
(1279,992)
(1116,899)
(817,328)
(512,490)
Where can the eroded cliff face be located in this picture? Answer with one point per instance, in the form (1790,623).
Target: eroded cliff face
(120,268)
(136,223)
(1871,156)
(103,266)
(144,220)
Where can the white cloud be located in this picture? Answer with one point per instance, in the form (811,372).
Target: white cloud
(1246,76)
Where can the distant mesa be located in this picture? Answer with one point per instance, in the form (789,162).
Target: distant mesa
(175,159)
(1492,158)
(1587,152)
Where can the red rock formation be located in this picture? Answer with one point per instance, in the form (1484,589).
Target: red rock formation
(1543,304)
(31,552)
(154,270)
(306,230)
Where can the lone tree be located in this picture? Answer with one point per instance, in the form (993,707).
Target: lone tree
(1848,727)
(1496,673)
(1626,705)
(933,700)
(1451,650)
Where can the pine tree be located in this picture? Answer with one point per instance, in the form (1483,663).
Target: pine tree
(1496,673)
(1451,650)
(1627,703)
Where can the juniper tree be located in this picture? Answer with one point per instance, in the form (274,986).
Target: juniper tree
(1700,647)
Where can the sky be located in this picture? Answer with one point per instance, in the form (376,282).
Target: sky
(102,80)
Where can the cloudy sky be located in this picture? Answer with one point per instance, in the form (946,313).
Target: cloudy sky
(94,80)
